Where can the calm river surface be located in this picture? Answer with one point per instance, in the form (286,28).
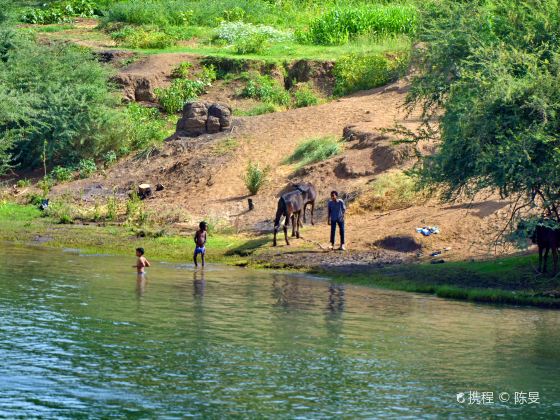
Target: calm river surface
(80,338)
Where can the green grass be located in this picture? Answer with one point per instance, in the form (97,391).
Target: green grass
(24,224)
(315,150)
(280,52)
(510,280)
(259,109)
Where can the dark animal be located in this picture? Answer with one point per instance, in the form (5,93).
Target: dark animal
(547,239)
(290,206)
(309,194)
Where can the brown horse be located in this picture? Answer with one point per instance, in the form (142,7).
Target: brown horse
(547,239)
(309,194)
(290,206)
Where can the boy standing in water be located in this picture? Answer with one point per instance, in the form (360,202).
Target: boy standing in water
(200,243)
(141,262)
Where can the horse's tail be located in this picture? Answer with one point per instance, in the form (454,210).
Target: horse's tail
(280,211)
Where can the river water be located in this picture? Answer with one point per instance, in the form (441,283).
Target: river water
(81,337)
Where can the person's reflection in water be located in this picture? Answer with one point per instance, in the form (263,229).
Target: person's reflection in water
(141,281)
(199,284)
(336,302)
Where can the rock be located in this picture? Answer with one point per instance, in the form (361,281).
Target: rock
(113,56)
(212,125)
(203,118)
(137,87)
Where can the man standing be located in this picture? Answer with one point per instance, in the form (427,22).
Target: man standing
(336,217)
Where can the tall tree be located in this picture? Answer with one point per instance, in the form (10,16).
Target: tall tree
(488,77)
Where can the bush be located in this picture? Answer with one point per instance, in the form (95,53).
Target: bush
(143,37)
(23,183)
(145,126)
(233,32)
(62,174)
(305,96)
(265,89)
(109,158)
(63,102)
(337,26)
(182,12)
(390,191)
(182,71)
(181,91)
(61,211)
(60,12)
(86,168)
(252,44)
(112,208)
(141,12)
(255,177)
(360,72)
(315,150)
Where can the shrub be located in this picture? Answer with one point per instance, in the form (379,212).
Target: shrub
(305,96)
(60,12)
(23,183)
(62,174)
(61,211)
(173,98)
(337,26)
(143,37)
(141,12)
(109,158)
(255,177)
(146,126)
(46,185)
(390,191)
(315,150)
(182,71)
(86,168)
(359,72)
(232,32)
(76,119)
(252,44)
(112,208)
(265,89)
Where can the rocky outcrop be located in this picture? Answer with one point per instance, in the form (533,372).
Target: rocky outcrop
(204,118)
(138,88)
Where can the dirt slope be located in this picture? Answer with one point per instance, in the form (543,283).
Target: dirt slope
(203,178)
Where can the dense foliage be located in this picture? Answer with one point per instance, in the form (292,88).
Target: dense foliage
(58,103)
(58,108)
(339,25)
(493,68)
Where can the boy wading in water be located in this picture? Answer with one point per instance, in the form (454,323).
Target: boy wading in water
(141,262)
(200,243)
(336,208)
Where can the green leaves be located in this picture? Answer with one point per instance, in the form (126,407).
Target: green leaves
(495,75)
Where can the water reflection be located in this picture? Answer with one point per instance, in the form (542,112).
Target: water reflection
(199,283)
(336,300)
(141,282)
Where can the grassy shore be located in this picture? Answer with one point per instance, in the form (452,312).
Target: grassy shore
(510,280)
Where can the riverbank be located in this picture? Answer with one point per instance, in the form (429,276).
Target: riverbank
(511,280)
